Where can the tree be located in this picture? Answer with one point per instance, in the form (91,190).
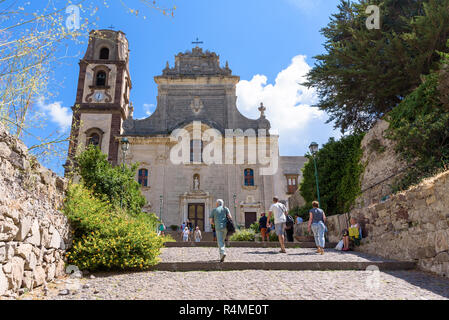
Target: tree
(339,173)
(366,73)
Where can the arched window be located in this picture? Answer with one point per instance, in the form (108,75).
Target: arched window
(249,177)
(101,79)
(94,139)
(104,54)
(143,177)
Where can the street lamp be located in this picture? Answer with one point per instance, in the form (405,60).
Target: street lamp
(125,147)
(235,211)
(314,149)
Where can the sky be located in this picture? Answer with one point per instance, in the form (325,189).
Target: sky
(270,44)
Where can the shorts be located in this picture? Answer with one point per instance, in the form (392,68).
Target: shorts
(279,228)
(263,232)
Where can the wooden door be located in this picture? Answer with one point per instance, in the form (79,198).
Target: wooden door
(250,218)
(196,215)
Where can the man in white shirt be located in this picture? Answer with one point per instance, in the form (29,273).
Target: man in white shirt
(279,211)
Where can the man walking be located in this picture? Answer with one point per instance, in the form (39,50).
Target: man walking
(218,218)
(279,211)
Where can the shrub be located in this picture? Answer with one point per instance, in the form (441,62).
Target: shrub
(273,237)
(107,238)
(117,184)
(243,235)
(255,227)
(174,227)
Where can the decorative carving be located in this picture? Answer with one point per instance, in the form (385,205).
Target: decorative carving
(196,105)
(196,182)
(262,110)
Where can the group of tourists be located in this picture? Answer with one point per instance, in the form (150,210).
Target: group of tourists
(189,233)
(221,219)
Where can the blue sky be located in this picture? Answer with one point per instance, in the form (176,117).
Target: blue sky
(270,44)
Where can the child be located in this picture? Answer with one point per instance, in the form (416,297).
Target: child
(185,234)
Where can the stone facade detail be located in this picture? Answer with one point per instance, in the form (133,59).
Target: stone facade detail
(33,233)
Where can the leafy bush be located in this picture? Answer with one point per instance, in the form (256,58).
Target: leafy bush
(243,235)
(272,236)
(117,184)
(107,238)
(255,227)
(420,127)
(339,174)
(174,227)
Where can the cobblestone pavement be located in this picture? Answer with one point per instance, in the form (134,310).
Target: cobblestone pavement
(192,254)
(247,285)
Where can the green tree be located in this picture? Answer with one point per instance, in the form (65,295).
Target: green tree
(365,73)
(339,172)
(117,184)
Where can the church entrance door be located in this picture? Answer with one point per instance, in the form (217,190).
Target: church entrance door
(250,218)
(196,214)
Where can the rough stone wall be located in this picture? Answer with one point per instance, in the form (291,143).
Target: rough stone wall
(382,165)
(412,225)
(33,233)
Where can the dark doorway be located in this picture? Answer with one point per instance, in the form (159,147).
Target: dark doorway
(196,215)
(250,218)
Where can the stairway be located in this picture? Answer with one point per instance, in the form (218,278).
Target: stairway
(301,255)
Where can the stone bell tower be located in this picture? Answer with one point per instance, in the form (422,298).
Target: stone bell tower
(102,97)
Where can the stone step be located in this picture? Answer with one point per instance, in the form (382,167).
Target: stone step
(264,258)
(287,266)
(245,244)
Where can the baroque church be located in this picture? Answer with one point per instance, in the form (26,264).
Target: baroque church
(196,119)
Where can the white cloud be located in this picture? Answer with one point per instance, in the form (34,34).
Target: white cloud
(147,108)
(62,116)
(288,106)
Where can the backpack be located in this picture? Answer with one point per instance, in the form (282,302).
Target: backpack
(290,222)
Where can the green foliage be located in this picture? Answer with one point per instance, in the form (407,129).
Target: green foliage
(106,238)
(420,127)
(116,184)
(272,236)
(255,227)
(243,235)
(174,227)
(365,73)
(339,174)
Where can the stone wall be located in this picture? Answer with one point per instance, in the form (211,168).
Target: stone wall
(382,165)
(412,225)
(33,233)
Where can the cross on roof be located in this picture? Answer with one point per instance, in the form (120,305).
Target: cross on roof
(197,41)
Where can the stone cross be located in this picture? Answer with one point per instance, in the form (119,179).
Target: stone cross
(262,110)
(197,41)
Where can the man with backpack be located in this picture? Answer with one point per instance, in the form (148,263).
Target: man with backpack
(219,217)
(280,218)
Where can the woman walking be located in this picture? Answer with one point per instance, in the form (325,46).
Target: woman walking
(317,219)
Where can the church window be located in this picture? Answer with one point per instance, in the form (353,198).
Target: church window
(94,139)
(101,79)
(292,181)
(143,177)
(196,151)
(249,177)
(104,54)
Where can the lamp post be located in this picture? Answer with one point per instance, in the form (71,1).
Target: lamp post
(314,149)
(235,211)
(125,147)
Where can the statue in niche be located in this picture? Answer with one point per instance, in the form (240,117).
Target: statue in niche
(196,183)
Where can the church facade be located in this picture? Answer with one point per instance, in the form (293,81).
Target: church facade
(195,148)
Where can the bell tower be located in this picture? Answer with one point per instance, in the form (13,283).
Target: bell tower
(102,97)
